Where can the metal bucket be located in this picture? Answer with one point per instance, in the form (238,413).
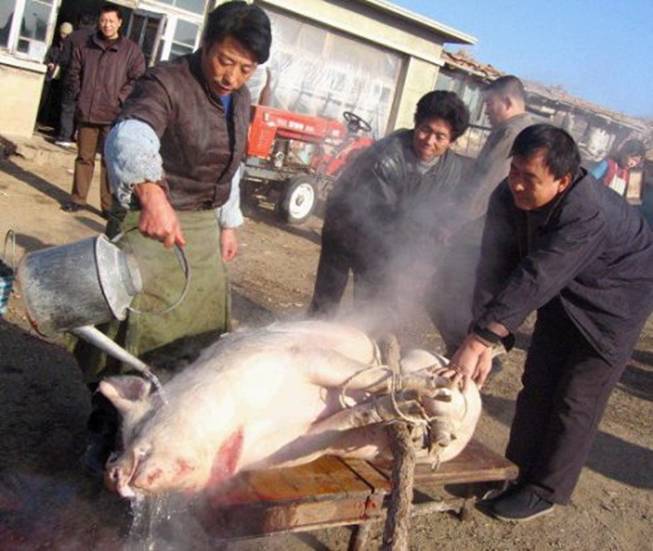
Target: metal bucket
(88,282)
(7,271)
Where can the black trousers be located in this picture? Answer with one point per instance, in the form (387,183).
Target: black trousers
(67,118)
(566,386)
(337,260)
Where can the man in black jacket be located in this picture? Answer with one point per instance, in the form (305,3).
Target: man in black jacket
(558,242)
(390,211)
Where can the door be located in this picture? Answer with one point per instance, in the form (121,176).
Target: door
(146,28)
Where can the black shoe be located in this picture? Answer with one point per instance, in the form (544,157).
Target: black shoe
(490,492)
(519,506)
(70,207)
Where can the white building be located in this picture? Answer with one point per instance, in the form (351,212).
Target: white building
(366,56)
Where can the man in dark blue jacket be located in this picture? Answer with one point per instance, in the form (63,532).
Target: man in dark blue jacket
(558,242)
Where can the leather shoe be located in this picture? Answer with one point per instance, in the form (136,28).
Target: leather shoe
(71,207)
(519,506)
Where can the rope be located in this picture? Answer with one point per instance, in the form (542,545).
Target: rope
(395,533)
(424,420)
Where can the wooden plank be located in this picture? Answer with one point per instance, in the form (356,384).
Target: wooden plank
(332,491)
(337,469)
(327,477)
(378,481)
(264,518)
(236,492)
(476,463)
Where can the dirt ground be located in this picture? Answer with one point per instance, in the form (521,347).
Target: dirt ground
(46,502)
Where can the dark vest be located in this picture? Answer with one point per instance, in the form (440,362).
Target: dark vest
(198,158)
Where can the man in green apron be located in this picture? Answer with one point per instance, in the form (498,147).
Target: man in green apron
(171,158)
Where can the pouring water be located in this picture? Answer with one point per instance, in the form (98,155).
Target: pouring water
(72,287)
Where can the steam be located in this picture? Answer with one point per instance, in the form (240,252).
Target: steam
(424,259)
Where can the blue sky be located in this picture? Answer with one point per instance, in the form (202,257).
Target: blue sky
(599,50)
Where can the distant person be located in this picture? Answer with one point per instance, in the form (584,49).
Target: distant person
(51,97)
(614,171)
(505,105)
(66,128)
(101,76)
(557,244)
(390,211)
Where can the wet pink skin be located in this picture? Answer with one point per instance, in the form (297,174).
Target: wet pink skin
(128,477)
(226,459)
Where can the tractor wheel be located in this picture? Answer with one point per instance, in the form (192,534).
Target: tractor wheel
(298,200)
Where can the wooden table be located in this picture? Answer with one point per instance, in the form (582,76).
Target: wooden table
(335,492)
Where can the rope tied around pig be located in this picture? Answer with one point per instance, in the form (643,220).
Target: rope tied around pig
(400,402)
(396,402)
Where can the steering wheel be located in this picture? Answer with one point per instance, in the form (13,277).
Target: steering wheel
(355,123)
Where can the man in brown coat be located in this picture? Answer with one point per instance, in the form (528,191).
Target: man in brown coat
(172,157)
(101,76)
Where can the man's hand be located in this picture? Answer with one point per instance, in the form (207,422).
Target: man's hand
(158,219)
(228,244)
(473,359)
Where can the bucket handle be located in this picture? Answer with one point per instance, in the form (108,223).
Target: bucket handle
(10,238)
(185,266)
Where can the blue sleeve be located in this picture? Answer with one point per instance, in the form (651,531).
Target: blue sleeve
(599,170)
(131,154)
(229,214)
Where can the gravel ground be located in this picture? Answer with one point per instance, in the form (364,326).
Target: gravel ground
(46,502)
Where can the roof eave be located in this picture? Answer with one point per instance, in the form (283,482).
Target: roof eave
(452,36)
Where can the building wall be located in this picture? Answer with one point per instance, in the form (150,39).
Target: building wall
(21,92)
(364,22)
(419,79)
(421,49)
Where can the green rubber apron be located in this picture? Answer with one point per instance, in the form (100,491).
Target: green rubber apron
(171,340)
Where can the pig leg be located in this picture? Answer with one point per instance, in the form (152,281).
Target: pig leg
(331,369)
(367,443)
(363,442)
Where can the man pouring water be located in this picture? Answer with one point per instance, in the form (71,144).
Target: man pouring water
(171,158)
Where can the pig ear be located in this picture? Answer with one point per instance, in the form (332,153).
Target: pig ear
(126,391)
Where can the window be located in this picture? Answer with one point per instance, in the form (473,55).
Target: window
(195,6)
(26,25)
(34,28)
(184,39)
(6,18)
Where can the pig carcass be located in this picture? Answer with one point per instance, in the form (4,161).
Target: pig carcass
(273,397)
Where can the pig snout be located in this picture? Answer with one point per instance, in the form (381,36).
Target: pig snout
(138,472)
(121,470)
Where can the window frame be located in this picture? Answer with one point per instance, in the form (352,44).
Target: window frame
(168,36)
(174,14)
(14,32)
(172,8)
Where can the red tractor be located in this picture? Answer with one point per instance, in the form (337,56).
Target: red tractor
(300,156)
